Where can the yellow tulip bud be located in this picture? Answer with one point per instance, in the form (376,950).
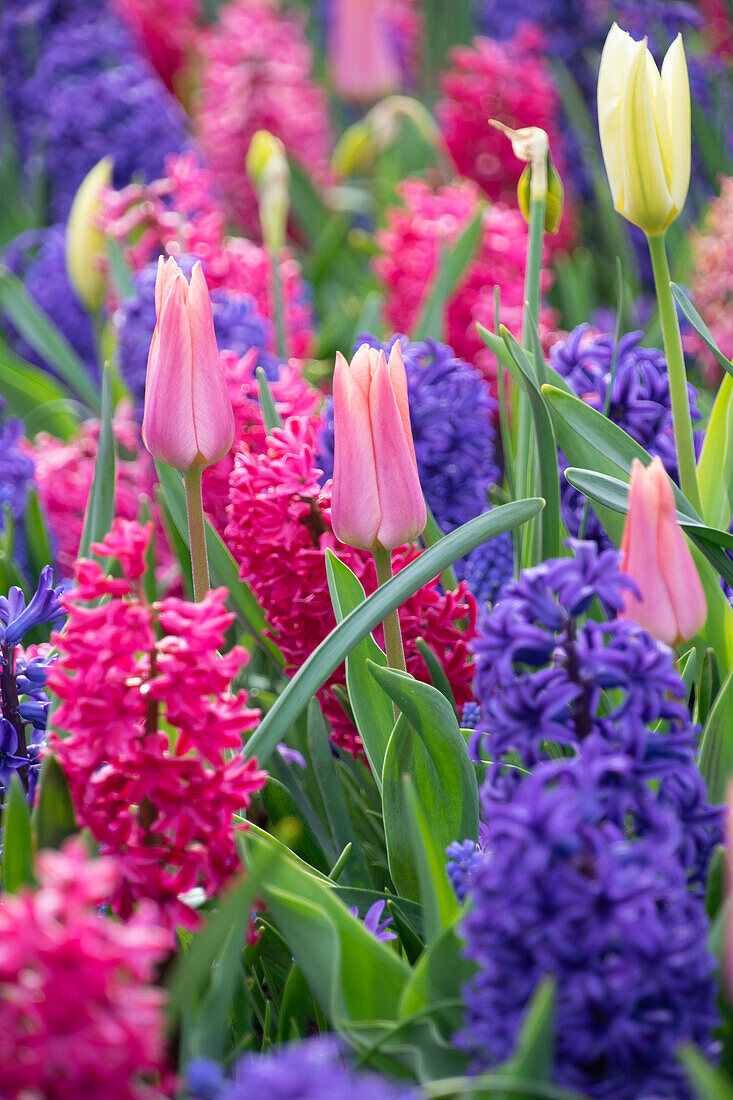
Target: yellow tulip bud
(355,150)
(268,172)
(84,241)
(644,122)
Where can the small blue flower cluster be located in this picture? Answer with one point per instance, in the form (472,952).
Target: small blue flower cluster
(23,700)
(237,324)
(86,94)
(598,837)
(453,426)
(310,1070)
(16,476)
(640,403)
(38,258)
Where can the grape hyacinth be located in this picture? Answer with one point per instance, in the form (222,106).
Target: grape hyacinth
(153,767)
(452,415)
(594,866)
(23,700)
(237,324)
(92,95)
(411,244)
(310,1070)
(38,258)
(80,1015)
(640,403)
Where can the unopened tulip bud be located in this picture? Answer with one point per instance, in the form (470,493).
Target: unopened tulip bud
(377,502)
(84,241)
(644,123)
(671,603)
(188,421)
(269,173)
(362,55)
(540,179)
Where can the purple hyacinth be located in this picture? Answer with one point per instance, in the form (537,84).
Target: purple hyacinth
(640,403)
(309,1070)
(16,477)
(24,704)
(546,675)
(92,95)
(38,257)
(452,416)
(565,892)
(237,324)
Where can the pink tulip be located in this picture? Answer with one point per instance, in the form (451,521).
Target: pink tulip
(655,554)
(363,57)
(188,421)
(377,502)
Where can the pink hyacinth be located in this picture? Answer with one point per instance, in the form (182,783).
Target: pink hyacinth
(79,1014)
(257,74)
(149,759)
(165,30)
(711,278)
(179,214)
(292,396)
(279,530)
(63,479)
(411,246)
(508,81)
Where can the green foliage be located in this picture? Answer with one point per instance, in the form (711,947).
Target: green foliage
(101,504)
(17,857)
(53,816)
(451,269)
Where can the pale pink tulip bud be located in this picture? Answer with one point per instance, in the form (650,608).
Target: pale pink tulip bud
(377,502)
(362,52)
(671,605)
(188,421)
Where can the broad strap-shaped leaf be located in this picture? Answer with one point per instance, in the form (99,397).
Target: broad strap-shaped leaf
(326,658)
(690,313)
(372,709)
(716,748)
(53,815)
(428,749)
(36,398)
(101,503)
(715,467)
(17,857)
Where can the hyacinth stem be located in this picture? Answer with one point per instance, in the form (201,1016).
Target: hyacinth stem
(392,631)
(197,533)
(683,436)
(279,310)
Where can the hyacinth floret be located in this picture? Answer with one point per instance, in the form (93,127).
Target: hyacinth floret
(308,1070)
(546,675)
(92,95)
(80,1015)
(153,766)
(564,892)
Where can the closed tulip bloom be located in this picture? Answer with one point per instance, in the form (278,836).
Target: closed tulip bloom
(377,502)
(671,603)
(362,52)
(644,122)
(188,421)
(84,240)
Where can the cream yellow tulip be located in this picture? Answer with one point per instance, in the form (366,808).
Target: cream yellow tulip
(644,122)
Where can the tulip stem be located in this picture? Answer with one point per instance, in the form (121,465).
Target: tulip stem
(683,436)
(392,632)
(197,533)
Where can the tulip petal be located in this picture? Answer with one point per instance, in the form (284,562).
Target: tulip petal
(355,512)
(654,610)
(168,426)
(647,201)
(400,495)
(677,567)
(615,60)
(361,367)
(398,378)
(676,86)
(213,414)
